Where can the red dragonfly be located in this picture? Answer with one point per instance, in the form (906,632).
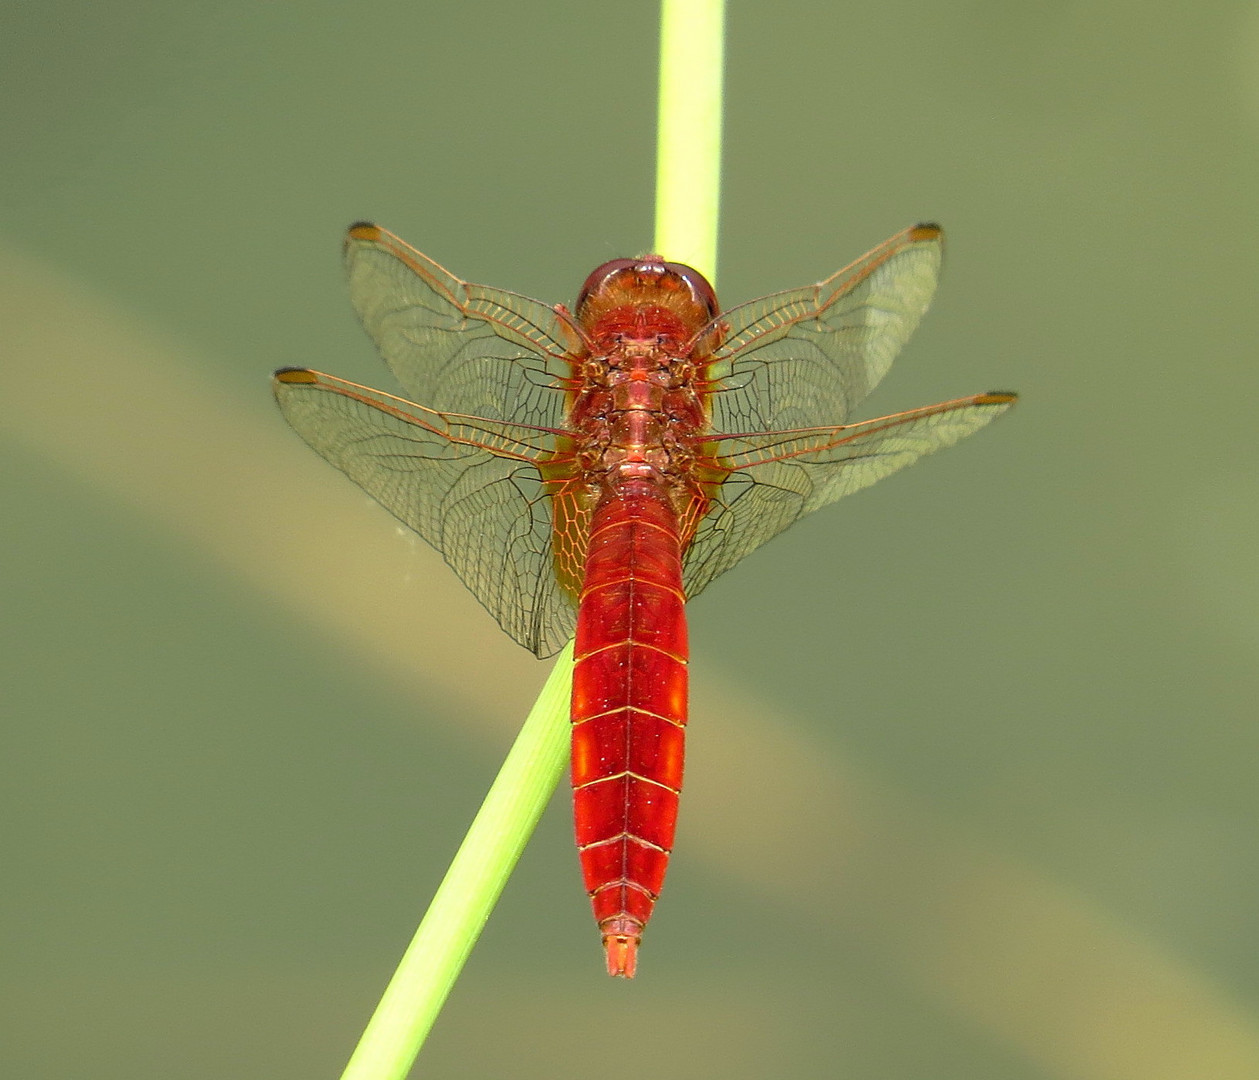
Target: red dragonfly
(590,471)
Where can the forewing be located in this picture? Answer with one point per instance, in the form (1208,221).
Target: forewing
(776,479)
(468,485)
(455,346)
(806,357)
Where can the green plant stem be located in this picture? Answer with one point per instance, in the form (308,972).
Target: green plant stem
(470,888)
(688,140)
(688,178)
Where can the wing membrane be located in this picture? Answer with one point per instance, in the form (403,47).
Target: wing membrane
(777,478)
(466,469)
(468,485)
(456,346)
(807,357)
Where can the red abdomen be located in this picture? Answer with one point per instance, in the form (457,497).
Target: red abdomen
(629,711)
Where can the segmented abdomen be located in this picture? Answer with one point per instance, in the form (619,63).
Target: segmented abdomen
(628,711)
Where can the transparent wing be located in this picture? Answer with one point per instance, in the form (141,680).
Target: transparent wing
(468,485)
(806,357)
(455,346)
(778,477)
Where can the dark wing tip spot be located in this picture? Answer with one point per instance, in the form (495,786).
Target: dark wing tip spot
(998,397)
(296,375)
(925,230)
(363,230)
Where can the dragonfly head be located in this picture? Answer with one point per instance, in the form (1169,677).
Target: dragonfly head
(648,281)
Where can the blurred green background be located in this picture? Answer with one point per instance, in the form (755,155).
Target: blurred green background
(971,780)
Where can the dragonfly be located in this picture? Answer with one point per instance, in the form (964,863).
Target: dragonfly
(586,472)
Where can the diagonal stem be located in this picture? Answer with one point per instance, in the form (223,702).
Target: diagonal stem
(471,887)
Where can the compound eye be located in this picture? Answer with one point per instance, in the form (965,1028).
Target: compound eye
(599,276)
(700,288)
(646,268)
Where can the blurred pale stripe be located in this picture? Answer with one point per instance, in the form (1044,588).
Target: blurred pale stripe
(140,417)
(991,938)
(1012,951)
